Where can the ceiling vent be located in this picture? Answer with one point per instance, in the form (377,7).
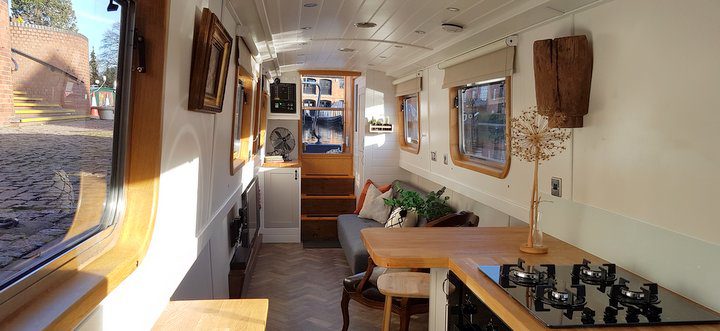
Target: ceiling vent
(449,27)
(365,25)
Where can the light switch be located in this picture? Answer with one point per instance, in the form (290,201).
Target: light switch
(445,159)
(556,186)
(433,156)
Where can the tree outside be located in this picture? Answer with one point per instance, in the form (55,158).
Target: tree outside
(53,13)
(109,53)
(94,75)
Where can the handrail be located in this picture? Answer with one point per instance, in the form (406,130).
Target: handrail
(52,67)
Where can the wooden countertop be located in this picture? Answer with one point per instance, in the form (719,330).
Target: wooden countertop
(463,249)
(289,164)
(238,314)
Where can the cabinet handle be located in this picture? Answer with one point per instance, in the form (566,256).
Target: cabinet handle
(295,174)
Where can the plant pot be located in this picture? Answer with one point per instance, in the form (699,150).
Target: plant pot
(106,113)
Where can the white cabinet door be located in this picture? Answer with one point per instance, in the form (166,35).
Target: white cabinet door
(282,198)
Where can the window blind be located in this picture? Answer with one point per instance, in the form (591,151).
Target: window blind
(411,86)
(497,64)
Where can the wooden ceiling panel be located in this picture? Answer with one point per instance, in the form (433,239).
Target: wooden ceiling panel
(397,21)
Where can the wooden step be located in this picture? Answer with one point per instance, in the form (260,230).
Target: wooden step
(324,185)
(327,204)
(44,111)
(52,118)
(319,230)
(21,98)
(35,104)
(318,218)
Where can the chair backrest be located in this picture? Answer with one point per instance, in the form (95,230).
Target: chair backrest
(461,218)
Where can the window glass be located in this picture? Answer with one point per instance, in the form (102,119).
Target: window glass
(326,87)
(483,121)
(324,130)
(59,119)
(309,86)
(411,127)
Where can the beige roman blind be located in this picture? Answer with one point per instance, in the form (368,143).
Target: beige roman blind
(497,64)
(411,86)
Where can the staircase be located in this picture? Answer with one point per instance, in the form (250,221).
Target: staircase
(36,110)
(323,199)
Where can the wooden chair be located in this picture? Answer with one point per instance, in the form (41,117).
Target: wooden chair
(360,289)
(403,285)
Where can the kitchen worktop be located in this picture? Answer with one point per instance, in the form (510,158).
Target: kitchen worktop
(463,249)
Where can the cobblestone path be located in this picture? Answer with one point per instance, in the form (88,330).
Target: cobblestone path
(40,170)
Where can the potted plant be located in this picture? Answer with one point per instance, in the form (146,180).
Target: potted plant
(431,206)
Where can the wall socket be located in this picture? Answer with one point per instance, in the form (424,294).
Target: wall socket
(433,156)
(556,186)
(445,159)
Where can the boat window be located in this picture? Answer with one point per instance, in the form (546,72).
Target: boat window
(323,119)
(62,133)
(410,123)
(482,132)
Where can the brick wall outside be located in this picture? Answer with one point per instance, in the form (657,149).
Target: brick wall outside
(6,111)
(64,49)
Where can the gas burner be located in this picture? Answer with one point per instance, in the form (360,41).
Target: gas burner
(621,293)
(561,299)
(603,276)
(520,275)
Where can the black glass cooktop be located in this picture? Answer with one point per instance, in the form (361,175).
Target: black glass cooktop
(587,295)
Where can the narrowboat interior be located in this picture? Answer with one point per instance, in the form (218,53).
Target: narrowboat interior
(359,165)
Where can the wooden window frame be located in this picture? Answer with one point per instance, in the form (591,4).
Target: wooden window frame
(257,95)
(66,295)
(246,77)
(404,145)
(478,165)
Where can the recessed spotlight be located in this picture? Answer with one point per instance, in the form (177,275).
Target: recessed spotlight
(306,28)
(302,43)
(449,27)
(309,5)
(345,49)
(419,31)
(398,46)
(382,57)
(453,9)
(365,25)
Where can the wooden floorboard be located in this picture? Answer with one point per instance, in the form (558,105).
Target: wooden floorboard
(304,287)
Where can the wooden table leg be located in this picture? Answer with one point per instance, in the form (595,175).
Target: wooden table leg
(387,315)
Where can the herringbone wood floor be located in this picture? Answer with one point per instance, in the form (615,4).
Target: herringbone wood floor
(304,287)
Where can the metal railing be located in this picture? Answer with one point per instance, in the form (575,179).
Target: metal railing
(48,65)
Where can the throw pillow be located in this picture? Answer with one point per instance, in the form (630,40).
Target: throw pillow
(374,207)
(397,221)
(363,194)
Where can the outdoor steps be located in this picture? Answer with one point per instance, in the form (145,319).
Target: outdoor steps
(323,198)
(34,110)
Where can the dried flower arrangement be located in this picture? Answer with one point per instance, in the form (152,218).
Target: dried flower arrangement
(533,140)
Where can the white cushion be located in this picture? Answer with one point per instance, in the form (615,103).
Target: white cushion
(374,207)
(396,221)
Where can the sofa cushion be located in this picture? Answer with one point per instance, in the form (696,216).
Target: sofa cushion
(374,206)
(363,194)
(349,226)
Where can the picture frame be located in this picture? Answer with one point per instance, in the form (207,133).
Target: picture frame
(210,60)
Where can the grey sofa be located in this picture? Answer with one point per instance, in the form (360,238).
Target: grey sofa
(349,226)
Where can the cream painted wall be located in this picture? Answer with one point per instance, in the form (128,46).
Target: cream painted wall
(197,193)
(641,178)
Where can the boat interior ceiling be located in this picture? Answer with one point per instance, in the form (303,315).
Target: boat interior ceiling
(359,165)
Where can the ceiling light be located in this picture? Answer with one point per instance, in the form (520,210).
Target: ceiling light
(365,25)
(370,65)
(449,27)
(306,28)
(300,62)
(345,49)
(453,9)
(398,46)
(419,31)
(310,5)
(302,44)
(382,57)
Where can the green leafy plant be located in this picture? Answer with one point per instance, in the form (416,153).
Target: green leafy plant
(432,206)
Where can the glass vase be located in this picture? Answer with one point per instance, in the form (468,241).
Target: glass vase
(537,235)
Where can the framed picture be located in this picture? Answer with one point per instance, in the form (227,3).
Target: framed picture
(210,58)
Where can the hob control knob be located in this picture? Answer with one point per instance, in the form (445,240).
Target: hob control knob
(588,316)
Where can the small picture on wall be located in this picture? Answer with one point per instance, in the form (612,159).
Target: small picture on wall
(210,60)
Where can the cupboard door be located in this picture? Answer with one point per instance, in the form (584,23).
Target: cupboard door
(282,198)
